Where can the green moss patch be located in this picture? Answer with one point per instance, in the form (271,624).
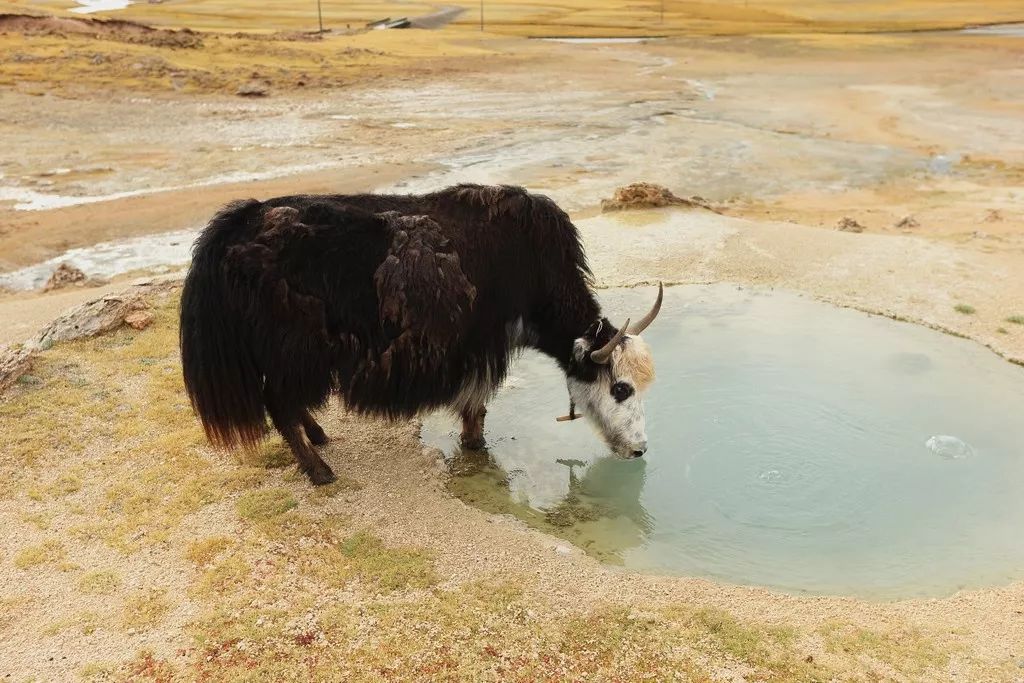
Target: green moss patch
(387,569)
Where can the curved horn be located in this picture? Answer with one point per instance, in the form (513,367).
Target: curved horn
(604,354)
(643,322)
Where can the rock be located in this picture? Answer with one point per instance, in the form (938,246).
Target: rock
(139,320)
(90,319)
(64,276)
(650,196)
(253,89)
(908,222)
(14,362)
(847,224)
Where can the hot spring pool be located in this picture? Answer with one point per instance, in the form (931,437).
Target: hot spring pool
(793,445)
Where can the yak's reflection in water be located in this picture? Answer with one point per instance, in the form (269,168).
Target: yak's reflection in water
(598,508)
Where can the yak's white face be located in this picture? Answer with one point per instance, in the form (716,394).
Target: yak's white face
(611,396)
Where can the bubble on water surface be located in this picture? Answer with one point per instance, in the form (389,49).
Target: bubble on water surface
(948,447)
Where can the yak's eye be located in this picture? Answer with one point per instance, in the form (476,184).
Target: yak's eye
(621,391)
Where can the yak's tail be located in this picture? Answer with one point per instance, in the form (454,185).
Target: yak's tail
(222,376)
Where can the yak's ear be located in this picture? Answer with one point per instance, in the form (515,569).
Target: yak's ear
(420,285)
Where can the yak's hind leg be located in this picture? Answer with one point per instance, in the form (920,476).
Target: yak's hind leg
(473,428)
(290,424)
(309,460)
(314,432)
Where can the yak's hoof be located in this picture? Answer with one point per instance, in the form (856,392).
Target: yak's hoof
(321,476)
(316,436)
(473,443)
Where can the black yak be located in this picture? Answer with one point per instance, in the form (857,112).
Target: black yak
(399,304)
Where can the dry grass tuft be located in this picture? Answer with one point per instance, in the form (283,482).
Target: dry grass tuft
(98,671)
(145,611)
(35,415)
(770,650)
(340,485)
(85,623)
(148,667)
(40,520)
(203,551)
(271,454)
(226,575)
(265,504)
(48,552)
(904,649)
(9,609)
(99,583)
(63,485)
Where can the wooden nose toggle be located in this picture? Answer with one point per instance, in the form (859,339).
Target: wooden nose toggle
(571,416)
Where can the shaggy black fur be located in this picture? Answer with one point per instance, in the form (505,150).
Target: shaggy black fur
(391,301)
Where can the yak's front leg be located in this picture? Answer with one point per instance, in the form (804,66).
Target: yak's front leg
(473,428)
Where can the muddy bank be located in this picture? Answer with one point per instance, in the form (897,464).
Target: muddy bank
(104,29)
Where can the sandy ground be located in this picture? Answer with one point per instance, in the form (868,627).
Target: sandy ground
(571,17)
(785,135)
(916,138)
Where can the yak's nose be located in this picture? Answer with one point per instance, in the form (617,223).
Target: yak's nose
(640,449)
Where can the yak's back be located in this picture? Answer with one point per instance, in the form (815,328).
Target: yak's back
(376,300)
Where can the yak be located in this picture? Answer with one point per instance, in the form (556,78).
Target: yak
(398,304)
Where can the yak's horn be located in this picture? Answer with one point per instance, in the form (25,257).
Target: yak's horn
(642,324)
(604,354)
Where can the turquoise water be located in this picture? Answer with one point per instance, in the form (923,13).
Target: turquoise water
(793,445)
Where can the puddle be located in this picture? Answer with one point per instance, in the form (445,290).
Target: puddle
(27,199)
(90,6)
(996,30)
(793,445)
(602,41)
(108,259)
